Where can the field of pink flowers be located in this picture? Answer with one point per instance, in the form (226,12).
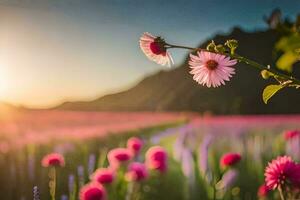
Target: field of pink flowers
(149,156)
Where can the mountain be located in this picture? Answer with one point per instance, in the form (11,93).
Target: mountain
(175,90)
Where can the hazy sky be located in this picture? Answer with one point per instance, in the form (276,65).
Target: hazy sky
(56,50)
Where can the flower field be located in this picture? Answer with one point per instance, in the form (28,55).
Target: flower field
(148,156)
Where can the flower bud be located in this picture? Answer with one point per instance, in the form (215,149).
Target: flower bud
(265,74)
(211,46)
(232,45)
(220,48)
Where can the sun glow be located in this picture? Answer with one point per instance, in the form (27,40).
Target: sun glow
(3,82)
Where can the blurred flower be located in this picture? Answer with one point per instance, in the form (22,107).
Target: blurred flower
(64,197)
(187,165)
(134,144)
(156,158)
(230,159)
(53,159)
(103,176)
(155,49)
(281,171)
(136,172)
(71,185)
(203,154)
(36,193)
(92,191)
(227,180)
(211,69)
(263,191)
(290,134)
(91,163)
(118,155)
(80,174)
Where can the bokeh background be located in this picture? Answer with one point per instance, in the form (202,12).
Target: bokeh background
(73,80)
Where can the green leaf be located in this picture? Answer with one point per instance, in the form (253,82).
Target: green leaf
(288,43)
(286,61)
(269,91)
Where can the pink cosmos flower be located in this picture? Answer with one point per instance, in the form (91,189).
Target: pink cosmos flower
(103,176)
(211,69)
(92,191)
(156,158)
(118,156)
(291,134)
(282,170)
(230,159)
(134,144)
(155,49)
(263,191)
(136,172)
(53,159)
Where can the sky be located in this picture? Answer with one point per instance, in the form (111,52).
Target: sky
(53,51)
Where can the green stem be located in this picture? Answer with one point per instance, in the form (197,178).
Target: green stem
(281,193)
(52,183)
(244,60)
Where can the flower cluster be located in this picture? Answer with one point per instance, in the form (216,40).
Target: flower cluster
(208,68)
(122,166)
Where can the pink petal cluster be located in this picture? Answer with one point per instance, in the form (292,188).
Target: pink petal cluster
(230,159)
(281,171)
(92,191)
(290,134)
(134,144)
(53,159)
(211,69)
(154,48)
(103,176)
(118,156)
(156,158)
(136,172)
(263,191)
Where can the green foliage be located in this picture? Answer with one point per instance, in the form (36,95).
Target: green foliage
(289,46)
(270,91)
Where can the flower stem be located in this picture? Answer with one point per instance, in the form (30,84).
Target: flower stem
(244,60)
(281,193)
(52,182)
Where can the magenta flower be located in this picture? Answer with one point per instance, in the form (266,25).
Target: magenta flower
(230,159)
(211,69)
(103,176)
(53,159)
(263,191)
(136,172)
(156,158)
(282,170)
(155,49)
(92,191)
(118,156)
(134,144)
(291,134)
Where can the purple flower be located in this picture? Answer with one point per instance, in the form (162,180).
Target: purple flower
(91,163)
(188,165)
(227,180)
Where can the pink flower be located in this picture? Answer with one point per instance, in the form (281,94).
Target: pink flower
(230,159)
(155,49)
(263,191)
(134,144)
(281,171)
(156,158)
(211,69)
(92,191)
(136,172)
(103,176)
(291,134)
(53,159)
(118,156)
